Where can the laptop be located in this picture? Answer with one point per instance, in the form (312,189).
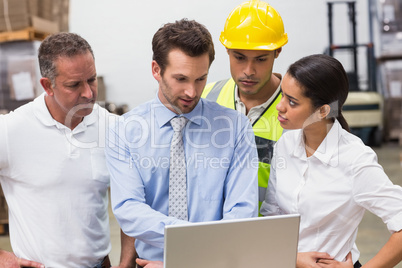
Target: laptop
(252,242)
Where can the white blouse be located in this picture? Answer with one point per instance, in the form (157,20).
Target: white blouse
(330,190)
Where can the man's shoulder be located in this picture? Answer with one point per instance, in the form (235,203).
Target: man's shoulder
(215,107)
(23,113)
(215,110)
(100,115)
(141,110)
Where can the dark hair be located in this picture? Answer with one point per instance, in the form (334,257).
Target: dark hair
(324,81)
(60,45)
(187,35)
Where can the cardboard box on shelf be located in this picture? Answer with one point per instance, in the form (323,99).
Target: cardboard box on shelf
(391,44)
(42,15)
(64,16)
(14,22)
(19,73)
(22,77)
(392,78)
(55,10)
(20,22)
(13,7)
(14,15)
(393,118)
(391,15)
(33,7)
(43,25)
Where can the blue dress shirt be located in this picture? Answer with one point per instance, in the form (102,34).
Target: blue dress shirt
(222,166)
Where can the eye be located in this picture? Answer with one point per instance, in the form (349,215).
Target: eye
(73,85)
(239,57)
(292,103)
(92,80)
(261,59)
(181,79)
(201,79)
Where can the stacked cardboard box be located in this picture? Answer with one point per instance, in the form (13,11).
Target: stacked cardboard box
(392,15)
(56,11)
(19,73)
(393,120)
(14,15)
(391,43)
(43,15)
(391,71)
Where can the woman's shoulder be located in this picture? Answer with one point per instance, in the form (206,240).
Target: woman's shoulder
(354,149)
(290,136)
(289,140)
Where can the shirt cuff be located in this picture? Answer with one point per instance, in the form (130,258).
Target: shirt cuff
(395,224)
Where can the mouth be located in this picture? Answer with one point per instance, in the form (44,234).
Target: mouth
(187,102)
(86,104)
(89,102)
(281,118)
(248,82)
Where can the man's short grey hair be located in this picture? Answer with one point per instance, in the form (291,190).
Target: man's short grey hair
(60,45)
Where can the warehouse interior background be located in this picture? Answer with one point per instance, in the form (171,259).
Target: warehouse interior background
(120,33)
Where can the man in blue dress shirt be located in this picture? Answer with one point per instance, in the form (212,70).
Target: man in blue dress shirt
(220,153)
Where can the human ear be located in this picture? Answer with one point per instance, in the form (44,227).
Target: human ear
(277,52)
(47,85)
(156,71)
(324,111)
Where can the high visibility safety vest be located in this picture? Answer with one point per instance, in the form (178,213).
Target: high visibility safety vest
(267,128)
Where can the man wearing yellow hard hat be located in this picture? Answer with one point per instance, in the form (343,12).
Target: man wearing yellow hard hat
(253,36)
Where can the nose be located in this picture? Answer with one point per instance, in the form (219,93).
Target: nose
(191,91)
(249,69)
(87,91)
(280,107)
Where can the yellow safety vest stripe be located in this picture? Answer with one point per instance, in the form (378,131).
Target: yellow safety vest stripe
(220,92)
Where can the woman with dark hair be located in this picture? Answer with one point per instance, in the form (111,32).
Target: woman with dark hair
(326,174)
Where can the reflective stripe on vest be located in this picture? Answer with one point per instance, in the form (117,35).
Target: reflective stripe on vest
(267,129)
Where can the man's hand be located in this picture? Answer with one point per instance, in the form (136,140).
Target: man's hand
(149,264)
(9,260)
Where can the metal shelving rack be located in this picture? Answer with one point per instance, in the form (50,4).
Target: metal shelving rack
(364,107)
(389,18)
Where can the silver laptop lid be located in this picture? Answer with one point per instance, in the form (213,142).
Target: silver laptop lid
(253,242)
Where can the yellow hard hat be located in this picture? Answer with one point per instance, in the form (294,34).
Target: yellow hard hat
(254,25)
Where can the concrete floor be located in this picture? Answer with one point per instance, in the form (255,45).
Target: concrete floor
(372,232)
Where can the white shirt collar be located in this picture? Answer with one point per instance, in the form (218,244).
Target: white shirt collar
(42,113)
(327,152)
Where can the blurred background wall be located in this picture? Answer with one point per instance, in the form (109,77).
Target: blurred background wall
(120,33)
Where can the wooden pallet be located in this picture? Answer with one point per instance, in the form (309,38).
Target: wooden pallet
(28,34)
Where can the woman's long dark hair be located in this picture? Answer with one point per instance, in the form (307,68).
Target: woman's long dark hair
(324,81)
